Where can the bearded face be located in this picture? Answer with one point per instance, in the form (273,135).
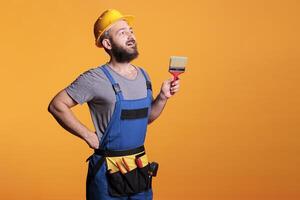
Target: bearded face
(124,53)
(120,43)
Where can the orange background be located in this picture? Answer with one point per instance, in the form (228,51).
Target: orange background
(231,133)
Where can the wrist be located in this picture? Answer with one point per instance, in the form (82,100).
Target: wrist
(162,96)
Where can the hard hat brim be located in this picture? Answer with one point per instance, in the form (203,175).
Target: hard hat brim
(128,18)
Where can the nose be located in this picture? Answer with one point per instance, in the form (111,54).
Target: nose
(129,34)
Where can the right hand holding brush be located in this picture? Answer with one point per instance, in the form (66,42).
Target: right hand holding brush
(169,88)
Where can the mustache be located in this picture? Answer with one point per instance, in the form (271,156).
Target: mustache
(131,40)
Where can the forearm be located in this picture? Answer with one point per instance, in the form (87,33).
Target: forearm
(157,107)
(65,117)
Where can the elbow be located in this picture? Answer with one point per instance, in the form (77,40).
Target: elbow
(51,107)
(54,106)
(60,103)
(150,120)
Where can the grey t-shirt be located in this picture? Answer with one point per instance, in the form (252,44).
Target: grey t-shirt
(93,87)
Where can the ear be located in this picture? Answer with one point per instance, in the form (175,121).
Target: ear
(106,43)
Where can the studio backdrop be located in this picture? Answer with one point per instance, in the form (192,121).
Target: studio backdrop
(230,133)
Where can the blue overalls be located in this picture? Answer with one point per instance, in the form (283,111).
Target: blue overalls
(126,130)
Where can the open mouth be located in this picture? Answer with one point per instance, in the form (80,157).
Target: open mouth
(130,43)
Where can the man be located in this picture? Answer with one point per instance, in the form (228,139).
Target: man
(119,97)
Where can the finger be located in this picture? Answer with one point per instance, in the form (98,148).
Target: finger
(175,83)
(174,91)
(167,82)
(175,87)
(170,80)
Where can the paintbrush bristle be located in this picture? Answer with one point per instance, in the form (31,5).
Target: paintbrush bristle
(177,63)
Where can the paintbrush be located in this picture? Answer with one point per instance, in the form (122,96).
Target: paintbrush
(177,66)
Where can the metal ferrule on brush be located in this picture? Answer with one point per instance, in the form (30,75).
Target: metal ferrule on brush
(177,69)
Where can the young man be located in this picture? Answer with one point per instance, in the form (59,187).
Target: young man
(119,97)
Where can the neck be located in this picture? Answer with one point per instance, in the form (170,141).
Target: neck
(120,67)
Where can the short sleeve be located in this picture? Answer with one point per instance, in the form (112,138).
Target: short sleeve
(81,89)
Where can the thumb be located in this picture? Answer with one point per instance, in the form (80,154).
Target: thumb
(169,80)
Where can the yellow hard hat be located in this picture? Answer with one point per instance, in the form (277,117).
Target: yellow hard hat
(106,19)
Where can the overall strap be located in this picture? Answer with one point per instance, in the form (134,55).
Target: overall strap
(148,82)
(114,84)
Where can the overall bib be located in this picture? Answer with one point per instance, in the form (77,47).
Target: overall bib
(125,133)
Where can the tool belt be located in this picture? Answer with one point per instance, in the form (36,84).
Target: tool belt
(128,172)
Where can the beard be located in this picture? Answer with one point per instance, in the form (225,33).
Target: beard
(121,54)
